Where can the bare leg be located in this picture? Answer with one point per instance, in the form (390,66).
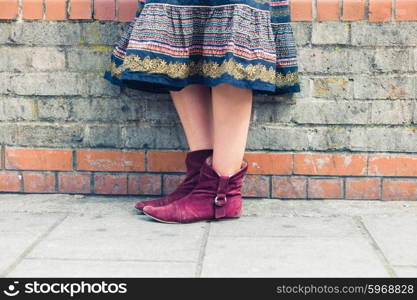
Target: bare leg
(231,116)
(194,107)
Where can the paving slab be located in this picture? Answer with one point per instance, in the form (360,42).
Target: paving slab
(21,231)
(328,207)
(406,271)
(121,237)
(290,247)
(290,257)
(103,268)
(293,226)
(396,236)
(70,235)
(70,203)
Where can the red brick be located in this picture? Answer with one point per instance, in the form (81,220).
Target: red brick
(144,184)
(301,10)
(127,10)
(110,184)
(289,187)
(392,165)
(406,10)
(394,189)
(269,163)
(170,183)
(353,10)
(327,10)
(255,186)
(104,9)
(329,164)
(9,181)
(167,161)
(38,159)
(110,160)
(32,9)
(80,9)
(55,10)
(38,182)
(74,182)
(380,10)
(8,9)
(363,188)
(325,188)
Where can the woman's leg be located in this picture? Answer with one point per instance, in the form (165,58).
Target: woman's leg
(194,107)
(215,196)
(231,117)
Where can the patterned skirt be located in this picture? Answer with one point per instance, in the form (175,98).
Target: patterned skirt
(173,43)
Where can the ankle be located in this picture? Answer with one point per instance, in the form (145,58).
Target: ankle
(226,170)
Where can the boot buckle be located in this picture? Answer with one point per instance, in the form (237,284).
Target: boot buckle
(220,202)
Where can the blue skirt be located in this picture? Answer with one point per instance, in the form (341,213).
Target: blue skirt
(173,43)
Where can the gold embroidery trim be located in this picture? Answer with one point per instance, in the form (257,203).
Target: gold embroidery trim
(208,68)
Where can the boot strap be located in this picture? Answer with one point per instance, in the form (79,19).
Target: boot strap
(220,200)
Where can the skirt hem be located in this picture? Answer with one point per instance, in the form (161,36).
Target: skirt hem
(163,85)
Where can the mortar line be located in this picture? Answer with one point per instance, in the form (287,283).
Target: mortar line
(381,256)
(202,253)
(29,249)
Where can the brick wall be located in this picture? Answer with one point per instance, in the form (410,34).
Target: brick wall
(350,134)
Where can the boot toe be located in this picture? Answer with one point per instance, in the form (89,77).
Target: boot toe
(160,214)
(140,205)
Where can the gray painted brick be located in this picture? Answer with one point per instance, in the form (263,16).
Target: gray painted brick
(52,83)
(160,111)
(41,135)
(115,109)
(24,59)
(332,32)
(98,33)
(5,83)
(54,109)
(154,137)
(46,33)
(89,59)
(392,112)
(329,60)
(383,87)
(271,112)
(332,87)
(47,58)
(96,85)
(5,30)
(275,137)
(105,135)
(384,34)
(331,112)
(397,139)
(414,58)
(415,114)
(16,109)
(302,33)
(14,59)
(384,59)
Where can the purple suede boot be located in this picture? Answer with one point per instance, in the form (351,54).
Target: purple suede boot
(214,197)
(193,162)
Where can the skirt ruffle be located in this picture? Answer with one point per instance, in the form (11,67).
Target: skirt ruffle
(248,44)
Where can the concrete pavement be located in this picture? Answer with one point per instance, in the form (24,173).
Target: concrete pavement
(62,235)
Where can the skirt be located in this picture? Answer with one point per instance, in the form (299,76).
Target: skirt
(173,43)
